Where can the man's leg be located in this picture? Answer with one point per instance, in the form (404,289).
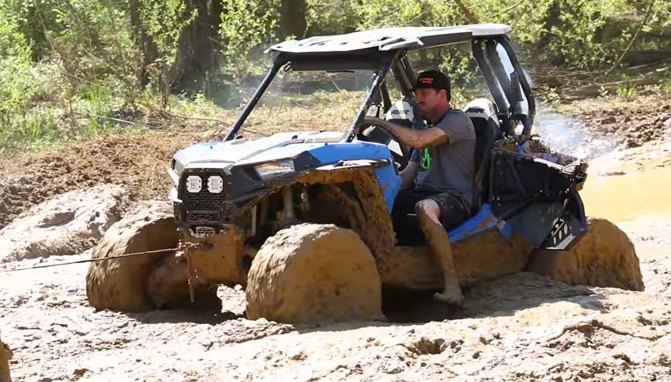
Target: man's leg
(429,215)
(403,217)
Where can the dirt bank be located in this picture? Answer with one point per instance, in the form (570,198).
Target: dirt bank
(631,122)
(137,161)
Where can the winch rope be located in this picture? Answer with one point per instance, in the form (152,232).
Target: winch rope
(134,254)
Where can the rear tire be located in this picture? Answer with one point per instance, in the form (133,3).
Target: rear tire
(604,257)
(312,273)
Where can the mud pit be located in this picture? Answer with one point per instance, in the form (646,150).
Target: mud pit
(570,332)
(519,327)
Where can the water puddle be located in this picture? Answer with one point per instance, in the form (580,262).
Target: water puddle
(617,197)
(629,196)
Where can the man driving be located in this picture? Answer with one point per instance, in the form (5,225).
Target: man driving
(442,196)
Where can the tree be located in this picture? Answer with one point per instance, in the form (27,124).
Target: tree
(293,20)
(198,46)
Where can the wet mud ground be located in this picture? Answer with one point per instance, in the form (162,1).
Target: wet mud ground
(522,327)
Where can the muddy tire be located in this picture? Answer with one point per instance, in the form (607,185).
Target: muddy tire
(5,356)
(313,273)
(140,283)
(604,257)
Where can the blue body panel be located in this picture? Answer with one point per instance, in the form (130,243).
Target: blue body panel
(390,182)
(387,177)
(484,220)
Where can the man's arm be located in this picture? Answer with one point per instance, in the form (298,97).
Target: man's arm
(417,139)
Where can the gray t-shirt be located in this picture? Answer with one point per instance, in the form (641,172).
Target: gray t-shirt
(450,166)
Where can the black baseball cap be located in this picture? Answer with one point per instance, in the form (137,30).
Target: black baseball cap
(432,79)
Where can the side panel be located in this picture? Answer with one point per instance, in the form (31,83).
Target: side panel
(483,221)
(388,177)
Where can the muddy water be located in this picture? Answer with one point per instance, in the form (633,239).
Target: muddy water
(629,196)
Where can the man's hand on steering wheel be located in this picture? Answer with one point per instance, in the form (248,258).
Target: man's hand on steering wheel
(384,126)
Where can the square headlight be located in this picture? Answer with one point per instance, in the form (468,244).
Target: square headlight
(215,184)
(194,183)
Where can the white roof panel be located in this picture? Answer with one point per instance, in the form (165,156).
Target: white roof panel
(386,39)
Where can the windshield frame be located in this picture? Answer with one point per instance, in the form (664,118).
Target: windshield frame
(380,63)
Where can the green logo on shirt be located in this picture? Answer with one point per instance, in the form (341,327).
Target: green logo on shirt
(426,159)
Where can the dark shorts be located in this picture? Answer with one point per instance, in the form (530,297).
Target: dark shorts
(453,211)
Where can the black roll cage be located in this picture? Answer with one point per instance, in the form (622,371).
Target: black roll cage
(505,90)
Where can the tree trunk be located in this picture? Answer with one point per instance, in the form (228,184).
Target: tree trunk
(552,20)
(467,15)
(143,41)
(198,47)
(292,18)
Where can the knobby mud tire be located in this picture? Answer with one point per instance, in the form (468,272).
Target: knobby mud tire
(146,282)
(314,273)
(5,356)
(603,257)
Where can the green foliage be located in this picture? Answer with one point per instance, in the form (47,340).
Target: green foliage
(626,92)
(245,27)
(330,17)
(18,82)
(67,67)
(164,21)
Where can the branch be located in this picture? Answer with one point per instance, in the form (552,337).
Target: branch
(633,38)
(510,8)
(468,15)
(177,116)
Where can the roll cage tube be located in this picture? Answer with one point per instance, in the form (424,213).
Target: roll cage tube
(508,85)
(277,64)
(404,75)
(374,88)
(492,82)
(505,43)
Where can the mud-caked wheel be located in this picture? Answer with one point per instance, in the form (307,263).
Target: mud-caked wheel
(146,282)
(313,273)
(5,356)
(604,257)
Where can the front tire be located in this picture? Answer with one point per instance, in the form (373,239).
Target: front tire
(313,273)
(145,282)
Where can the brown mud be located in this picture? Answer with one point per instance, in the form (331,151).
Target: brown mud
(5,356)
(138,162)
(485,257)
(572,333)
(630,122)
(514,327)
(314,273)
(604,257)
(119,283)
(629,195)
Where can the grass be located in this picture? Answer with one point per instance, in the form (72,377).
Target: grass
(54,117)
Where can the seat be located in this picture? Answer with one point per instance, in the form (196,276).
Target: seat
(482,113)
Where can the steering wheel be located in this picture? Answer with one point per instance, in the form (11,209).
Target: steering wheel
(382,125)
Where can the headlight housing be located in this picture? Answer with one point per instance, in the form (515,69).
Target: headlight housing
(273,169)
(215,184)
(194,184)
